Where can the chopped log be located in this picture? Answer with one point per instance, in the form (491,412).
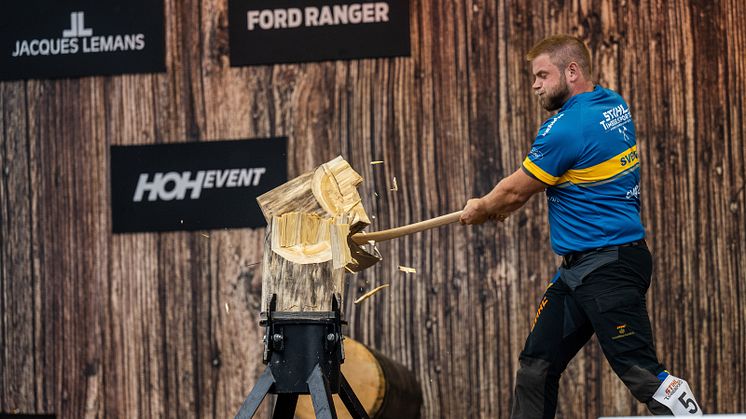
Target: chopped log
(328,191)
(308,247)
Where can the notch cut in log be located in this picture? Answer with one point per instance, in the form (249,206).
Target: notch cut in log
(307,238)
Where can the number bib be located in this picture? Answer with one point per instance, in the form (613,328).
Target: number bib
(675,394)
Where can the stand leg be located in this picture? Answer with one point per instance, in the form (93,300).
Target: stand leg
(321,395)
(285,406)
(357,411)
(252,402)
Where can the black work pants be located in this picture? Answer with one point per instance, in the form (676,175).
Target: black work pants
(610,302)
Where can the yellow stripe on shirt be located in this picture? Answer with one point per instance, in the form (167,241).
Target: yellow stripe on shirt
(539,173)
(602,171)
(615,166)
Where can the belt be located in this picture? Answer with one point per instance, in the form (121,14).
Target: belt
(571,258)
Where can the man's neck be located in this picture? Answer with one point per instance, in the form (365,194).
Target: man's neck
(581,88)
(577,89)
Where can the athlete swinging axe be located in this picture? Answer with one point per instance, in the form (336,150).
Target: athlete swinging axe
(585,157)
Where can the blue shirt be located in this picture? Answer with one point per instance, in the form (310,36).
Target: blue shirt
(587,156)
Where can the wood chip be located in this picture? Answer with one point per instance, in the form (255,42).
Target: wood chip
(376,162)
(369,293)
(396,187)
(408,270)
(204,235)
(227,309)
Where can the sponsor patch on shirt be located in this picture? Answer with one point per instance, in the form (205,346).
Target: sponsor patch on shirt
(535,154)
(551,124)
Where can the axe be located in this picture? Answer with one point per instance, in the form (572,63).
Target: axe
(393,233)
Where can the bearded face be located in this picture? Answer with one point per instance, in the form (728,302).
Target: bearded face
(550,85)
(553,97)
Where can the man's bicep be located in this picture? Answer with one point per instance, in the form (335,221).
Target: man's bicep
(524,185)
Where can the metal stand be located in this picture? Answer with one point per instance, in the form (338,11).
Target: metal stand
(303,351)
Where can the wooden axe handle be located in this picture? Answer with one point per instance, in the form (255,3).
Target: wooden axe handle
(392,233)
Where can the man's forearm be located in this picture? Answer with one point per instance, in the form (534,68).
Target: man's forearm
(502,199)
(507,196)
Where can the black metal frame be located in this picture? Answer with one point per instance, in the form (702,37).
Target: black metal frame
(303,352)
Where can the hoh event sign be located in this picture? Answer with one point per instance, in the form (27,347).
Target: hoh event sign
(291,31)
(53,38)
(194,186)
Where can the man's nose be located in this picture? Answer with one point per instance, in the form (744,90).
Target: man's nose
(536,85)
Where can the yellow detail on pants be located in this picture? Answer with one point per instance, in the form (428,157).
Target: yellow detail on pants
(543,304)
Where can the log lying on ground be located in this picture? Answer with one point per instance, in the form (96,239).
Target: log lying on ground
(384,387)
(308,247)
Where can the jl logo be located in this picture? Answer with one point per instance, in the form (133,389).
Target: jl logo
(77,26)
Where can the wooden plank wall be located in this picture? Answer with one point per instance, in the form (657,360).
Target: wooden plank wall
(164,325)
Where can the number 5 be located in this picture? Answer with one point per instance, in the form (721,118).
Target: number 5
(687,402)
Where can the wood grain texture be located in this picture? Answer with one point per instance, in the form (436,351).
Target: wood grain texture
(165,325)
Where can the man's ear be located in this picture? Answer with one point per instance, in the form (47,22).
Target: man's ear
(572,71)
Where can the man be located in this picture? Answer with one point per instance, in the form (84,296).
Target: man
(585,157)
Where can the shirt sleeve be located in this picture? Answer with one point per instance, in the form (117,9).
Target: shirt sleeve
(554,151)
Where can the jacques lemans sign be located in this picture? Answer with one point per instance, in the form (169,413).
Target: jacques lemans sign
(287,31)
(78,39)
(194,186)
(51,38)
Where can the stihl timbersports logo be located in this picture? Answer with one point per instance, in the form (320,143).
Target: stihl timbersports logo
(615,117)
(672,387)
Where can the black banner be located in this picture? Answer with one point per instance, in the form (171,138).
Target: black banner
(53,38)
(194,186)
(290,31)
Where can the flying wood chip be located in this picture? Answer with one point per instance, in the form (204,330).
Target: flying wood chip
(408,270)
(369,293)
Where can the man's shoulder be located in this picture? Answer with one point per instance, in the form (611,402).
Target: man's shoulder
(557,124)
(608,96)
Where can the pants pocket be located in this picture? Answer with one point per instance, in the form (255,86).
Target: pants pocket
(622,323)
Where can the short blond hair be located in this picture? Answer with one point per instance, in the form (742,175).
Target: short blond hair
(562,50)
